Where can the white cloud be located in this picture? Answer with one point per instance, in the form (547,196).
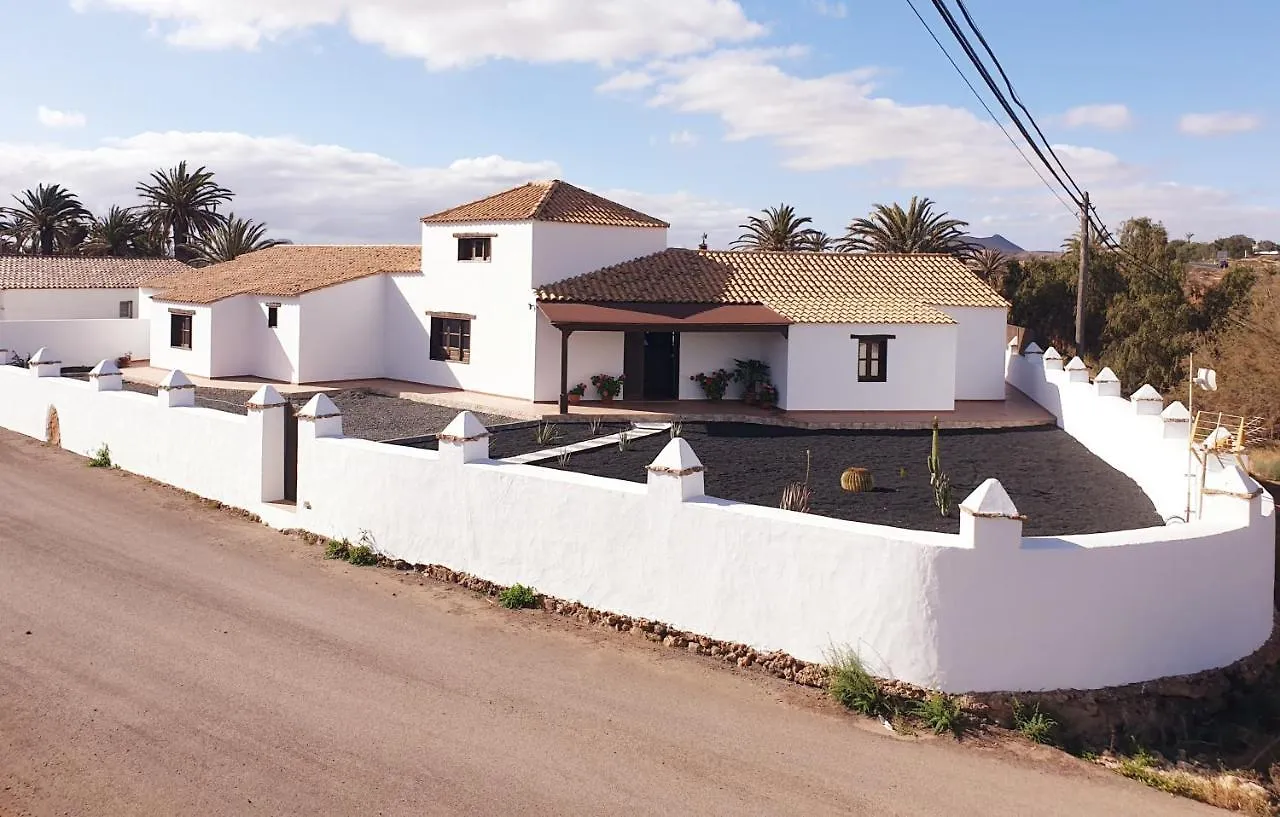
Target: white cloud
(1218,124)
(690,215)
(317,193)
(830,9)
(448,34)
(683,138)
(51,118)
(625,81)
(1106,117)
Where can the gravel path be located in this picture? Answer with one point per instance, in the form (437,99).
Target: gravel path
(365,416)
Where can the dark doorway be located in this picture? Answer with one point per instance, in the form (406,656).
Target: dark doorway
(661,365)
(290,452)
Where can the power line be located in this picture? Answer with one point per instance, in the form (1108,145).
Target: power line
(990,112)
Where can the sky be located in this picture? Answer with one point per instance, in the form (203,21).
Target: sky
(344,121)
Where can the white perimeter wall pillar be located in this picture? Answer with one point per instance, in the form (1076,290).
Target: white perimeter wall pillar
(676,474)
(266,420)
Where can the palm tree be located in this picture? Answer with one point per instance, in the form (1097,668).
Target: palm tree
(914,230)
(184,204)
(121,232)
(779,229)
(817,241)
(989,264)
(44,216)
(231,238)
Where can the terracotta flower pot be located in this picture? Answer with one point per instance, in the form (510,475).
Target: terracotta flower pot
(575,398)
(606,398)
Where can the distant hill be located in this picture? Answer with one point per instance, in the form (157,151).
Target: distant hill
(997,242)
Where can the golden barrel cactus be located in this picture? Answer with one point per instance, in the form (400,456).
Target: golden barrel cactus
(856,480)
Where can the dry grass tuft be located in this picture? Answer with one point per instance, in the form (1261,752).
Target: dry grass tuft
(1221,789)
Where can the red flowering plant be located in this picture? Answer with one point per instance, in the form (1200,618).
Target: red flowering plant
(715,384)
(767,395)
(609,386)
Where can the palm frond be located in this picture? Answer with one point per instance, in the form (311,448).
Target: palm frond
(232,238)
(917,229)
(780,228)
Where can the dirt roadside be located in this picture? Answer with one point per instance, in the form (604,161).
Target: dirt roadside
(159,658)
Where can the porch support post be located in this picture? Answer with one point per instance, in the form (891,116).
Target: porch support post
(564,369)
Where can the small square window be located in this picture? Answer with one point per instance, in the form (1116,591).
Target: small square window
(871,360)
(126,309)
(179,331)
(474,248)
(273,317)
(451,339)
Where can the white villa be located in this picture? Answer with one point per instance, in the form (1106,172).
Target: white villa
(533,290)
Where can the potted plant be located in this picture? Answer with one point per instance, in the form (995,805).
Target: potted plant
(715,384)
(767,395)
(124,360)
(752,374)
(609,386)
(575,394)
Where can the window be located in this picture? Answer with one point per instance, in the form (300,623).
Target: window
(474,248)
(273,316)
(180,330)
(872,351)
(451,339)
(126,309)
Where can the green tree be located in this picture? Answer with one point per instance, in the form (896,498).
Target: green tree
(45,215)
(917,229)
(817,241)
(231,238)
(1267,246)
(1236,246)
(121,232)
(183,204)
(989,265)
(780,228)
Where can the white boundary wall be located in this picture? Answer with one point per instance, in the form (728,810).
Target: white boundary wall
(982,610)
(81,342)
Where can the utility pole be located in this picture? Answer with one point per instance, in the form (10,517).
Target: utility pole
(1082,280)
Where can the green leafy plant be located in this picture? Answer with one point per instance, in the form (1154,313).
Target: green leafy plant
(518,596)
(336,549)
(546,433)
(938,479)
(609,386)
(101,458)
(713,385)
(902,473)
(852,686)
(752,374)
(767,395)
(1032,723)
(578,390)
(941,713)
(362,556)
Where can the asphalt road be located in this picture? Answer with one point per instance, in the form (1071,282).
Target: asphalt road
(160,658)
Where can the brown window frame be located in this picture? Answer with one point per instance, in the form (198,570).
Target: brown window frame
(450,339)
(273,316)
(180,329)
(873,358)
(126,309)
(475,248)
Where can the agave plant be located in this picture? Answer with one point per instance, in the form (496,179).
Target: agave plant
(230,239)
(917,229)
(779,229)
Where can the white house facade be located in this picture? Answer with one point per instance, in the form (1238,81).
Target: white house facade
(534,290)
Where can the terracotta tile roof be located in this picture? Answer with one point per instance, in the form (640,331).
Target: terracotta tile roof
(547,201)
(285,271)
(59,272)
(806,287)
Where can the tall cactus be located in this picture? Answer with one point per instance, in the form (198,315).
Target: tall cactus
(938,479)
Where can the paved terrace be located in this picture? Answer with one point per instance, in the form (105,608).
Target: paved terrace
(1015,411)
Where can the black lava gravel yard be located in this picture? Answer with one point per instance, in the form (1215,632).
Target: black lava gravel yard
(1054,481)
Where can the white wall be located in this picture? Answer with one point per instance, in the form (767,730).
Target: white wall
(78,342)
(342,331)
(982,610)
(822,368)
(708,351)
(211,453)
(273,353)
(564,250)
(590,353)
(197,360)
(980,350)
(64,304)
(498,292)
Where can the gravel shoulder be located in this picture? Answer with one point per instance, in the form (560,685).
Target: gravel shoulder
(160,658)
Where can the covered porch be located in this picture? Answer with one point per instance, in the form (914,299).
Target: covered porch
(652,366)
